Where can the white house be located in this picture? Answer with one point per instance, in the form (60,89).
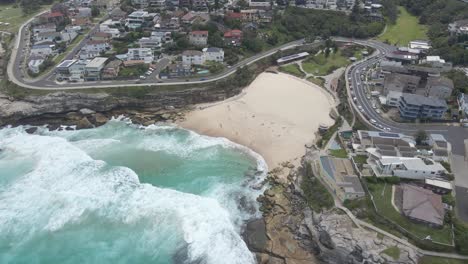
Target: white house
(94,48)
(77,70)
(193,57)
(34,65)
(144,54)
(214,54)
(404,167)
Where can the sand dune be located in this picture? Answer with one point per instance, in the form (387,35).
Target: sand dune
(275,116)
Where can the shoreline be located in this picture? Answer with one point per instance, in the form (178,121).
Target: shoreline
(275,116)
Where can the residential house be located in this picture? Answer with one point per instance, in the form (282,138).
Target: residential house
(233,37)
(422,205)
(111,27)
(459,27)
(34,64)
(152,43)
(82,22)
(69,34)
(214,54)
(47,37)
(93,69)
(111,70)
(175,70)
(138,19)
(441,148)
(118,14)
(193,57)
(340,177)
(250,15)
(53,17)
(44,28)
(233,16)
(195,18)
(198,38)
(84,12)
(101,36)
(260,4)
(140,54)
(385,143)
(77,71)
(63,69)
(199,4)
(384,164)
(41,50)
(94,48)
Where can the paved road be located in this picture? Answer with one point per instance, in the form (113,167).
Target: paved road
(454,134)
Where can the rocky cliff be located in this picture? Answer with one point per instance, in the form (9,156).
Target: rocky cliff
(57,105)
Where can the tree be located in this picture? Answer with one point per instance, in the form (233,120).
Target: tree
(95,11)
(421,137)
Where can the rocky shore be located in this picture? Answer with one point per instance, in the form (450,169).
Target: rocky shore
(291,233)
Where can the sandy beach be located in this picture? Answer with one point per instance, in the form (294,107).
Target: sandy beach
(275,116)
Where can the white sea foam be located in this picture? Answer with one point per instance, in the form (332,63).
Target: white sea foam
(67,185)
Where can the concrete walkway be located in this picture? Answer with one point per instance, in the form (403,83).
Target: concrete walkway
(361,224)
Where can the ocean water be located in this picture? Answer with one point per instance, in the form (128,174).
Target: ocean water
(122,193)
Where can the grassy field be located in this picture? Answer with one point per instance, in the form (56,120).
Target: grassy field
(362,159)
(339,153)
(318,81)
(393,252)
(405,29)
(382,194)
(292,69)
(9,13)
(436,260)
(321,65)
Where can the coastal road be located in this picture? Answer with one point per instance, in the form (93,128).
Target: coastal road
(452,132)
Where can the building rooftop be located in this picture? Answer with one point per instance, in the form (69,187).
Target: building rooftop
(420,100)
(440,81)
(96,62)
(342,172)
(192,53)
(439,183)
(422,204)
(213,49)
(199,32)
(66,63)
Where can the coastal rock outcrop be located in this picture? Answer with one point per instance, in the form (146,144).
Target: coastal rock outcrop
(55,105)
(290,232)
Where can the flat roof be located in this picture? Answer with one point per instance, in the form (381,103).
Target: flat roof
(292,57)
(66,63)
(416,99)
(439,183)
(96,62)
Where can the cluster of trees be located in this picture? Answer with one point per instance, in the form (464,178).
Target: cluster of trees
(437,14)
(133,71)
(31,6)
(315,194)
(298,23)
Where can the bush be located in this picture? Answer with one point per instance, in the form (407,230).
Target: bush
(316,194)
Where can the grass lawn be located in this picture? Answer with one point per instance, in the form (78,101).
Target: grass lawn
(321,65)
(14,16)
(382,194)
(405,29)
(437,260)
(361,159)
(393,252)
(339,153)
(292,69)
(318,81)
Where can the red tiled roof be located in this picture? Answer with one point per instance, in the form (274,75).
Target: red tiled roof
(199,32)
(233,33)
(233,15)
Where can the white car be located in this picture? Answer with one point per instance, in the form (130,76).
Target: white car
(143,77)
(378,111)
(373,121)
(387,129)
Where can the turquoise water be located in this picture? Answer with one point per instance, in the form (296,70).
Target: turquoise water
(124,194)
